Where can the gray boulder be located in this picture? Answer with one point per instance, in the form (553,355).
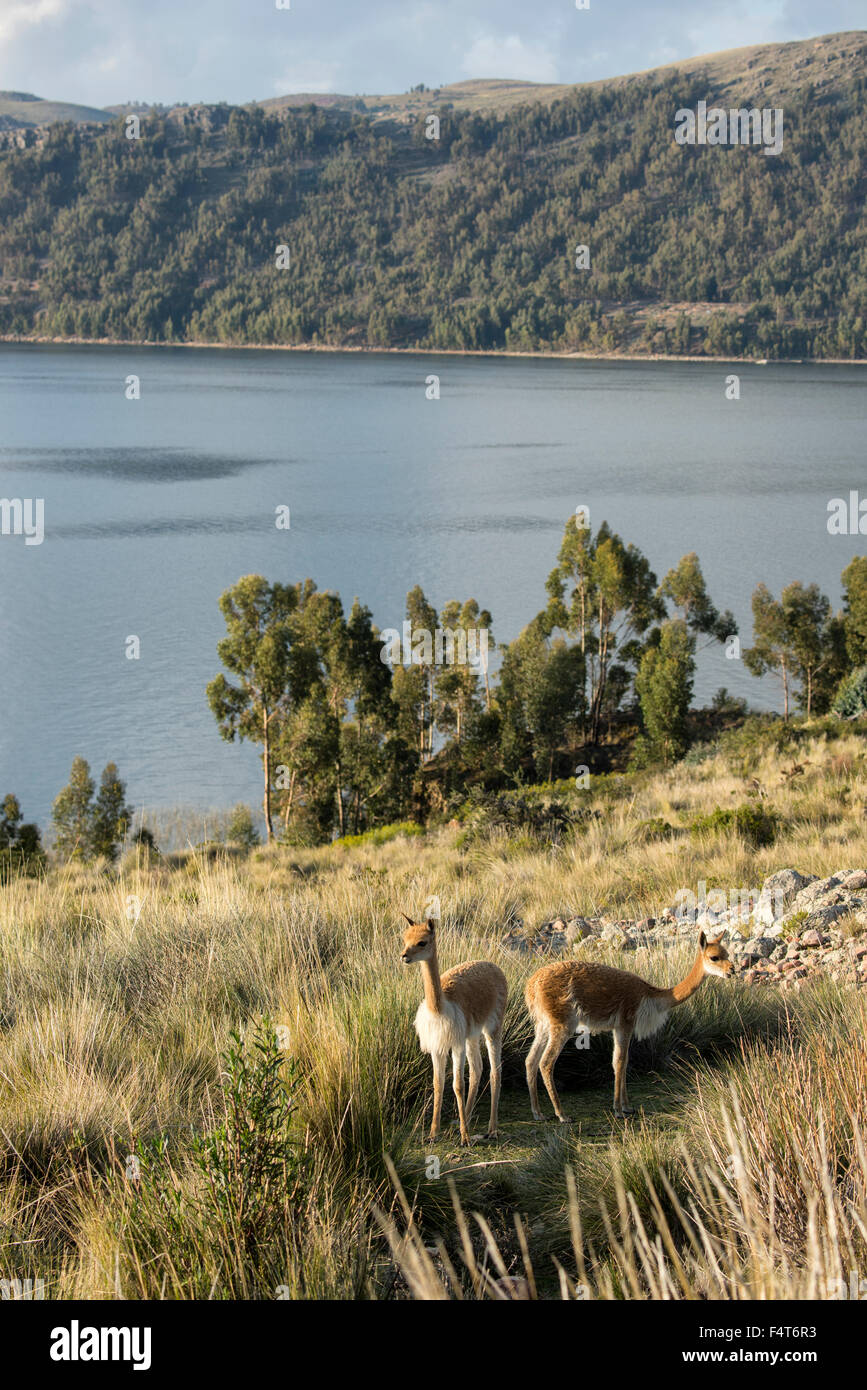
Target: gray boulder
(779,892)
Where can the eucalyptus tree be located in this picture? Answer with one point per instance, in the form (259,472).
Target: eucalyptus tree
(257,652)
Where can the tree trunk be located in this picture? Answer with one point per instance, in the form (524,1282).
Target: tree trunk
(266,763)
(340,820)
(287,809)
(785,694)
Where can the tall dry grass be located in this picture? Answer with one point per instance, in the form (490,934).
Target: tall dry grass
(120,991)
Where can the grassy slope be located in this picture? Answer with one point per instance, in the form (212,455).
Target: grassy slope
(21,109)
(112,1025)
(737,73)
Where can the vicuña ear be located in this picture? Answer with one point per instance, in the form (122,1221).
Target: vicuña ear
(431,924)
(702,941)
(407,919)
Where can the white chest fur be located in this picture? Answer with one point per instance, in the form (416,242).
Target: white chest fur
(650,1017)
(438,1033)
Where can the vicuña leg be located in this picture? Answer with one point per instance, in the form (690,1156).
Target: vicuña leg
(620,1058)
(439,1080)
(458,1062)
(534,1056)
(474,1056)
(494,1043)
(556,1042)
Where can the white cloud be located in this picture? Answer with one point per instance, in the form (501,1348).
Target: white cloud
(509,56)
(18,15)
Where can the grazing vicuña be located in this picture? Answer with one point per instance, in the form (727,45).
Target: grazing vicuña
(574,996)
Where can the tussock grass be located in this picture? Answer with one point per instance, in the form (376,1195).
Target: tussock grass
(120,990)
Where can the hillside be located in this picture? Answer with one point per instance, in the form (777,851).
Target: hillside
(739,73)
(137,1163)
(467,241)
(22,110)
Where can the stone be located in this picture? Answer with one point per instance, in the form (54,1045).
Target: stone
(811,938)
(576,929)
(824,916)
(758,947)
(779,891)
(811,897)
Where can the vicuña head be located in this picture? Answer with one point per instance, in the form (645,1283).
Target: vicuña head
(715,956)
(576,997)
(458,1008)
(418,940)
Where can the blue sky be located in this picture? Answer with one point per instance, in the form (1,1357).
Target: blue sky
(100,52)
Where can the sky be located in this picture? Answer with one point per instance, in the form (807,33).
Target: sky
(104,52)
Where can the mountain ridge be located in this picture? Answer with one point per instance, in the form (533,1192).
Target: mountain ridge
(784,67)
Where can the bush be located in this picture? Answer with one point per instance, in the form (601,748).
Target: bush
(761,733)
(381,835)
(21,852)
(851,698)
(755,824)
(534,812)
(649,831)
(241,829)
(249,1162)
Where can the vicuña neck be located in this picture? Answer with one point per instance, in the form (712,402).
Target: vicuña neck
(433,990)
(689,984)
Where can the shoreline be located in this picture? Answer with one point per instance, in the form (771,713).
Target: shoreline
(13,338)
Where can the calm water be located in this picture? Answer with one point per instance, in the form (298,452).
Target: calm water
(154,507)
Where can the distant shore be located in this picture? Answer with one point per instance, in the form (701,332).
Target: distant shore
(441,352)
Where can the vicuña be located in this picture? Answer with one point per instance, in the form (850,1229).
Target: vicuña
(458,1008)
(571,997)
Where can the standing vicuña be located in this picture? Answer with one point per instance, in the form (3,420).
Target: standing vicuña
(468,1001)
(572,996)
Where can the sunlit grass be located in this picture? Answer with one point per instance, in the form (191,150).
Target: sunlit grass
(119,992)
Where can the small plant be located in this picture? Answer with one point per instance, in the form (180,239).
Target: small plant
(795,923)
(249,1162)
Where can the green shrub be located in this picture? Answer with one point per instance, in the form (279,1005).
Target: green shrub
(755,824)
(381,835)
(249,1162)
(533,813)
(851,698)
(241,829)
(649,831)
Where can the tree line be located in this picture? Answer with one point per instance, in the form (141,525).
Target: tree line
(351,741)
(467,241)
(360,730)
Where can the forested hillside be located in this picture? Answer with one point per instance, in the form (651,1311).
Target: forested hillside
(467,241)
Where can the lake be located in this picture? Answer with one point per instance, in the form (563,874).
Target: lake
(154,506)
